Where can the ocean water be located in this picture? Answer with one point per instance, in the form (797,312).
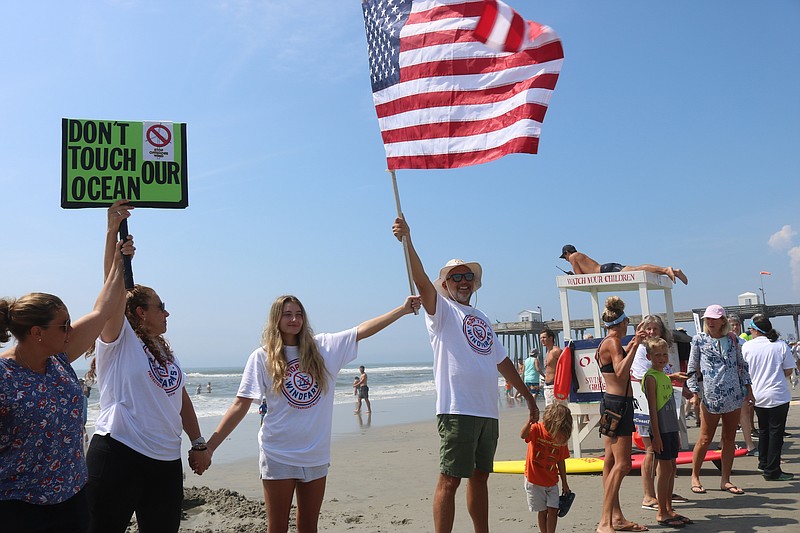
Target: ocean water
(386,381)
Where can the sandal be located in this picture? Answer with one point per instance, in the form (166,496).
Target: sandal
(733,489)
(652,507)
(633,526)
(684,519)
(698,489)
(672,522)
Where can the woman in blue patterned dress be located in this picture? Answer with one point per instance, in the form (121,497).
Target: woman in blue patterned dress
(42,467)
(716,364)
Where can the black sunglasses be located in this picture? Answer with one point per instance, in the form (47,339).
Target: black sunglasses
(469,276)
(66,325)
(162,306)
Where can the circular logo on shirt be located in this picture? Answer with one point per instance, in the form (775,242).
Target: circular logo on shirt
(169,378)
(479,335)
(300,387)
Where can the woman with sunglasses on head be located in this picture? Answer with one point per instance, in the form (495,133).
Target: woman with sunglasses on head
(770,362)
(716,365)
(134,458)
(42,467)
(615,367)
(653,327)
(296,371)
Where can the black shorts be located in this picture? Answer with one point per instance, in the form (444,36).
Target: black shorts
(671,445)
(363,392)
(620,404)
(611,267)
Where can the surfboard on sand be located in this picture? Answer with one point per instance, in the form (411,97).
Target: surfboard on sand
(587,465)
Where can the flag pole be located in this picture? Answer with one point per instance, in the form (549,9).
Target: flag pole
(405,241)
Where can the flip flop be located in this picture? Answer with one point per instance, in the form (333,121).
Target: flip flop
(633,526)
(677,498)
(564,503)
(698,489)
(733,489)
(672,522)
(684,519)
(652,506)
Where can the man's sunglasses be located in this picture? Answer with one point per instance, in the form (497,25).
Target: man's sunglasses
(469,276)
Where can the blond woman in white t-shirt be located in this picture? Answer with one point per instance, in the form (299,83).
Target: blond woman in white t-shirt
(296,371)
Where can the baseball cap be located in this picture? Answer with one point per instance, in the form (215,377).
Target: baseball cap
(567,249)
(714,311)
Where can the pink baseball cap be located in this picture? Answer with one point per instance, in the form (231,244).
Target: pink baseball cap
(714,311)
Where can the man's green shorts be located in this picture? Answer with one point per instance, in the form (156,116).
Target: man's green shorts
(467,443)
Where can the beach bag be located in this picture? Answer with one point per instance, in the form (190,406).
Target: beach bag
(609,422)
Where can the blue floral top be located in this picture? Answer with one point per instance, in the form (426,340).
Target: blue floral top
(41,424)
(725,373)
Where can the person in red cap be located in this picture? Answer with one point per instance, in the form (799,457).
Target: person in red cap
(583,264)
(466,358)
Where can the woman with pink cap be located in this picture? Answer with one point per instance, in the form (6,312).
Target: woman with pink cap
(716,364)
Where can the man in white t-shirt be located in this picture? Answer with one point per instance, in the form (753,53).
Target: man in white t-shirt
(466,358)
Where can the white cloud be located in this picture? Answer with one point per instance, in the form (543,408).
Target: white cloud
(783,238)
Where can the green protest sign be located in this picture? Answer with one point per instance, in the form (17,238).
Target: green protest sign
(107,160)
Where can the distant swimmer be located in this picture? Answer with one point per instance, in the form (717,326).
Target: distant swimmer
(583,264)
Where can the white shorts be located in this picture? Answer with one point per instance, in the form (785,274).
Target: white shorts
(540,498)
(270,469)
(549,395)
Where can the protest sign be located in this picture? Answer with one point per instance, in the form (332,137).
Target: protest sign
(107,160)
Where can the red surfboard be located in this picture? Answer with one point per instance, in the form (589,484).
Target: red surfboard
(563,380)
(685,458)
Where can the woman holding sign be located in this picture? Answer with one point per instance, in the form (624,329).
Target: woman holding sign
(296,371)
(42,468)
(134,458)
(616,408)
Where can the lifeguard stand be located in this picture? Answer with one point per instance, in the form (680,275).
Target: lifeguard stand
(612,282)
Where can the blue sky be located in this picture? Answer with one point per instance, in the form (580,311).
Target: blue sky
(672,138)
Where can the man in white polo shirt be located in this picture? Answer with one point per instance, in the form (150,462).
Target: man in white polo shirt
(466,358)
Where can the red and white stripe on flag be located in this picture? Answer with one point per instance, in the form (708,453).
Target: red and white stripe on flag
(500,27)
(443,98)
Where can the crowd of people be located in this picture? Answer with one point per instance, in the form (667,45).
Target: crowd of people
(47,483)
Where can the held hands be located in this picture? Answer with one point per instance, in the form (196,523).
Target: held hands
(534,411)
(199,460)
(412,305)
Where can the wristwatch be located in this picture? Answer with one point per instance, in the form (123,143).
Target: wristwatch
(199,444)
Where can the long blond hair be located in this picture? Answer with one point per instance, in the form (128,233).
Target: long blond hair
(310,359)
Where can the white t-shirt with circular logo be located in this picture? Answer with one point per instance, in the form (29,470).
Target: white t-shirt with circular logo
(140,400)
(297,427)
(466,353)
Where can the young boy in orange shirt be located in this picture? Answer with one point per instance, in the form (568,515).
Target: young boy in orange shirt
(545,463)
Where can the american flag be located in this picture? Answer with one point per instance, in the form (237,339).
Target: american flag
(443,98)
(500,27)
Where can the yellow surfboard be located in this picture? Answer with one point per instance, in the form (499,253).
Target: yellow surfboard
(584,465)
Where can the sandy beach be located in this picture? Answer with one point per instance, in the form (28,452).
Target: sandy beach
(383,475)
